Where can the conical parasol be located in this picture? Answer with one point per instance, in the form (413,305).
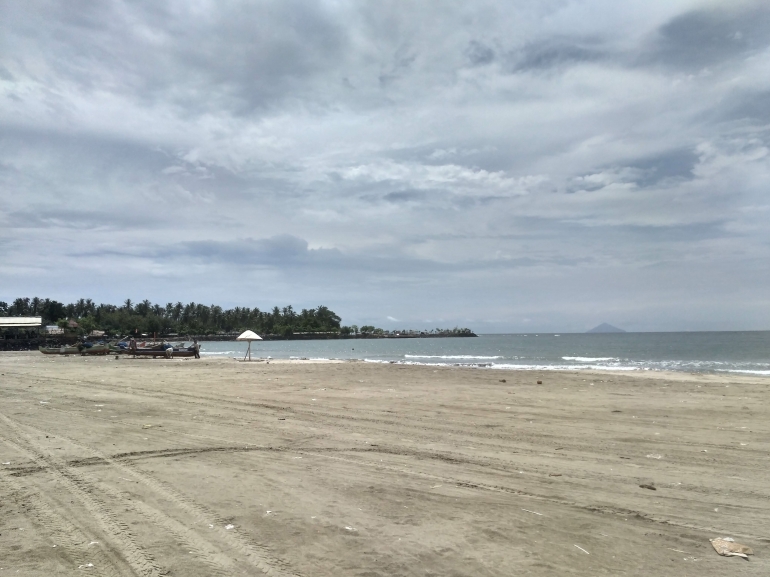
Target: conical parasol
(248,336)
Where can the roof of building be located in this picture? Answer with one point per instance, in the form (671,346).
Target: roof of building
(8,322)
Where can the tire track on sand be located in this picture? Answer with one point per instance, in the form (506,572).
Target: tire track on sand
(255,554)
(72,543)
(138,559)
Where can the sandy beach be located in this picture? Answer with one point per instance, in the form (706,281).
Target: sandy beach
(215,467)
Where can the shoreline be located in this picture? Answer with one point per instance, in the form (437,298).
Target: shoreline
(755,378)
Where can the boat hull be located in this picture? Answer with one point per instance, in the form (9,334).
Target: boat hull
(59,350)
(155,353)
(94,350)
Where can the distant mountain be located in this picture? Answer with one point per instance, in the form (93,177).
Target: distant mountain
(605,328)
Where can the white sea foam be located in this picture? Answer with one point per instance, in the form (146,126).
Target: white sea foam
(451,357)
(589,359)
(508,366)
(563,367)
(765,373)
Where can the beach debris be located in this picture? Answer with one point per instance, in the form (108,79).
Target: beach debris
(8,463)
(727,547)
(654,456)
(540,383)
(583,550)
(554,474)
(502,380)
(228,527)
(147,426)
(650,487)
(86,566)
(533,512)
(350,528)
(93,543)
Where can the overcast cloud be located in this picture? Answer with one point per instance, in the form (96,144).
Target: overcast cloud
(503,165)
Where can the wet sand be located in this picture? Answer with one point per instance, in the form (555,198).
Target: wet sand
(214,467)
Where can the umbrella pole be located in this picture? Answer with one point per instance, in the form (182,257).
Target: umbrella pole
(247,351)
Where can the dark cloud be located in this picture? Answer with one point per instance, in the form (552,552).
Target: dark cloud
(672,164)
(242,56)
(479,53)
(404,196)
(751,106)
(555,53)
(711,36)
(279,250)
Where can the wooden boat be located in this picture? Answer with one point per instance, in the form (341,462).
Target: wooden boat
(155,353)
(95,350)
(63,350)
(75,350)
(157,350)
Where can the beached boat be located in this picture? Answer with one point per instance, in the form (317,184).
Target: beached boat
(63,350)
(79,349)
(155,352)
(101,349)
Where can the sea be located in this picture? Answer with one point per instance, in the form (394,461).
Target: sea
(745,352)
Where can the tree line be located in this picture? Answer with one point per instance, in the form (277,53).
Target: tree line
(195,319)
(183,319)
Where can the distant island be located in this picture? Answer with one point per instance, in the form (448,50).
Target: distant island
(606,328)
(176,321)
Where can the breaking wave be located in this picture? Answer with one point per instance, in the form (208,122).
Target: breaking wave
(452,357)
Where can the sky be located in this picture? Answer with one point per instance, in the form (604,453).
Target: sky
(505,165)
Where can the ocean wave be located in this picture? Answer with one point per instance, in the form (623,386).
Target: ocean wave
(745,371)
(451,357)
(217,353)
(589,359)
(508,366)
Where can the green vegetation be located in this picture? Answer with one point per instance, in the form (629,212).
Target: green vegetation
(197,319)
(191,318)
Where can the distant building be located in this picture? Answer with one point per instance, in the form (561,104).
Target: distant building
(20,327)
(19,322)
(54,330)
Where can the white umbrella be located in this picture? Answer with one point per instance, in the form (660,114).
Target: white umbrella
(249,336)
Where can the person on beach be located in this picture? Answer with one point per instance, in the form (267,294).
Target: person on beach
(196,348)
(132,346)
